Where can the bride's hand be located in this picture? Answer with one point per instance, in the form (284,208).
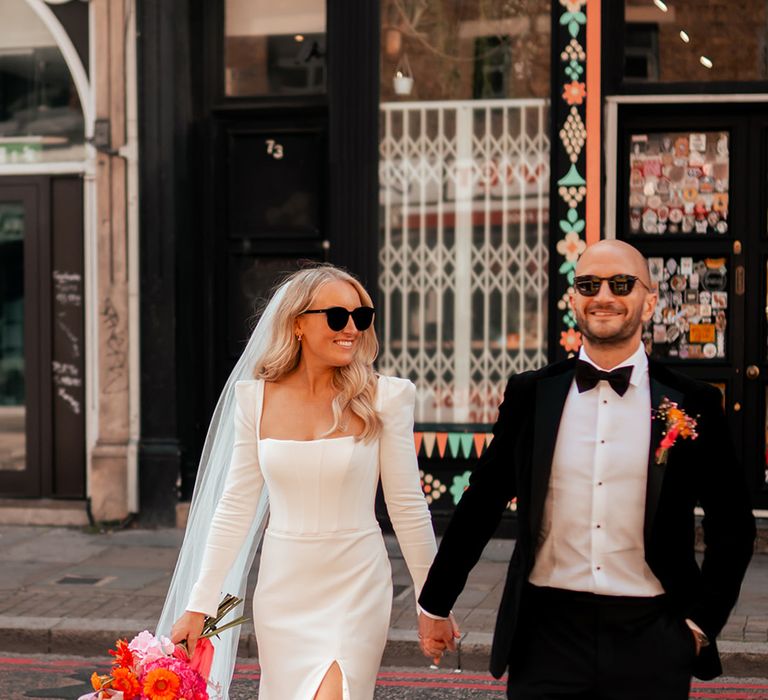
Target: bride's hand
(188,628)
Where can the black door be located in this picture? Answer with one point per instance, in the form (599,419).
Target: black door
(42,343)
(692,196)
(270,195)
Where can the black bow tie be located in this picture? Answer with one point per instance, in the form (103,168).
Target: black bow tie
(587,377)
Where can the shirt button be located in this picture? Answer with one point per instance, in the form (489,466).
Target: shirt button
(602,442)
(598,568)
(599,483)
(605,401)
(598,526)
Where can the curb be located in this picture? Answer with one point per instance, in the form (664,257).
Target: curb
(94,636)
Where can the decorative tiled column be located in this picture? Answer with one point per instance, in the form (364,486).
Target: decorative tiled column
(577,145)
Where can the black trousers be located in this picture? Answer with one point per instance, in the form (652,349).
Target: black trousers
(593,647)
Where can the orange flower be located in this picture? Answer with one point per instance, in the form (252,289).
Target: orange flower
(570,340)
(123,655)
(574,92)
(100,682)
(161,684)
(124,680)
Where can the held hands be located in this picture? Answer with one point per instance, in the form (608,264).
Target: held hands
(188,628)
(435,636)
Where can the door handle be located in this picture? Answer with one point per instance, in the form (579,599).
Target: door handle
(753,372)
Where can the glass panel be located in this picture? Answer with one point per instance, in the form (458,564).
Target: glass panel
(695,40)
(692,314)
(40,114)
(678,183)
(273,48)
(464,191)
(12,413)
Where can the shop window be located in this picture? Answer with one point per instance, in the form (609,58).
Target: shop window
(695,41)
(274,48)
(464,194)
(40,114)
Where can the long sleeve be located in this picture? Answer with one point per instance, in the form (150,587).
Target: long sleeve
(400,480)
(236,509)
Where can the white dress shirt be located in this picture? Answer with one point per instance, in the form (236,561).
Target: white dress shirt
(591,536)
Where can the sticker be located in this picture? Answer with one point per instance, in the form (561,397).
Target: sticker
(649,189)
(691,312)
(678,283)
(681,147)
(688,222)
(700,225)
(686,266)
(722,146)
(719,300)
(705,310)
(659,334)
(677,299)
(656,269)
(710,350)
(693,280)
(713,281)
(671,266)
(702,333)
(694,352)
(705,297)
(676,215)
(691,296)
(722,227)
(636,199)
(697,142)
(673,333)
(720,321)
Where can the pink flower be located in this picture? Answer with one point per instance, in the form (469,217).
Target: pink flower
(147,648)
(192,687)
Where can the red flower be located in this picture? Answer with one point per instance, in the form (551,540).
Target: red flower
(123,655)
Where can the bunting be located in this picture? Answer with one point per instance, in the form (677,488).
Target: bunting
(451,445)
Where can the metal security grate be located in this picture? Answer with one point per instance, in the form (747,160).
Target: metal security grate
(464,190)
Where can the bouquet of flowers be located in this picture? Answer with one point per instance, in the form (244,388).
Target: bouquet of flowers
(151,667)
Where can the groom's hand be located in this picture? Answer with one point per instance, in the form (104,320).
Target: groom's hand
(435,636)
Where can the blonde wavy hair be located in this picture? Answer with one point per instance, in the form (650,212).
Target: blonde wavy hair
(355,383)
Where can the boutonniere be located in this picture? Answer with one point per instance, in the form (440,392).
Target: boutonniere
(678,424)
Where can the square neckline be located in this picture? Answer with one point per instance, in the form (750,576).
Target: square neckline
(260,439)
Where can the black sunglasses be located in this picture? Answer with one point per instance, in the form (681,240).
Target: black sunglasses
(620,285)
(338,317)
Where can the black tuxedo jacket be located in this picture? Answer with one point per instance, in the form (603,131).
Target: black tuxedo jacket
(517,463)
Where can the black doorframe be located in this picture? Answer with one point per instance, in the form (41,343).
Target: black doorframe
(746,198)
(181,106)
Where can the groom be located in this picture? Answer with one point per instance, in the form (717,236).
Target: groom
(604,598)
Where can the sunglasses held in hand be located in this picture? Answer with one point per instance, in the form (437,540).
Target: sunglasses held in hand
(620,285)
(338,317)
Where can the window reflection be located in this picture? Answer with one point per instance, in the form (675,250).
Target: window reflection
(40,114)
(274,48)
(694,40)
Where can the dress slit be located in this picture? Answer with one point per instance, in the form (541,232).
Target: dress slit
(344,684)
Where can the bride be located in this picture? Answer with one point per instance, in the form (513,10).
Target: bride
(315,428)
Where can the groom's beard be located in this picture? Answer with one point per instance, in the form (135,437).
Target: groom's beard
(596,332)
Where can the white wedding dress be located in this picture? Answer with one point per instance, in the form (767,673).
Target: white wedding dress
(324,591)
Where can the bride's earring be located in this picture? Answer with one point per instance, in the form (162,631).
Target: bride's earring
(299,336)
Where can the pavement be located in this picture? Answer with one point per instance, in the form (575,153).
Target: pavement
(74,591)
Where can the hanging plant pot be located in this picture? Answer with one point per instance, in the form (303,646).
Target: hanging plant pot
(403,84)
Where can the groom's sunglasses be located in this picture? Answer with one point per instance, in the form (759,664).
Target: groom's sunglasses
(620,285)
(338,317)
